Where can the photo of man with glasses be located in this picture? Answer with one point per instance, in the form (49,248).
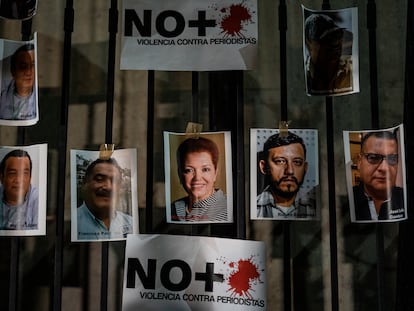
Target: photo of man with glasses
(378,193)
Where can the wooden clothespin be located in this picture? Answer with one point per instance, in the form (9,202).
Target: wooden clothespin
(194,129)
(283,128)
(106,151)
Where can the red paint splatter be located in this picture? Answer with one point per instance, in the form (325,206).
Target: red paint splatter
(240,281)
(232,24)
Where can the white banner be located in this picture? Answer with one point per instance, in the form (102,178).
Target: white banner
(189,35)
(168,273)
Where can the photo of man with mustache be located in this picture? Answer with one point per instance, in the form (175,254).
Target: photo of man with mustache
(98,217)
(283,163)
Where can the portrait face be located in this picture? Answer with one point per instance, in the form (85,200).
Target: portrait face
(326,51)
(16,179)
(199,175)
(24,72)
(286,168)
(102,187)
(378,165)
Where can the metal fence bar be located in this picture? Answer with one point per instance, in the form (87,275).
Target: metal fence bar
(373,72)
(283,59)
(195,95)
(373,76)
(226,99)
(195,117)
(332,203)
(110,85)
(14,273)
(112,29)
(150,152)
(330,141)
(56,290)
(287,270)
(104,276)
(240,176)
(405,270)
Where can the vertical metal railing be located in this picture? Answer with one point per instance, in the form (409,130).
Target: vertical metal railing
(56,290)
(330,143)
(373,75)
(405,270)
(287,271)
(239,210)
(195,117)
(332,203)
(110,86)
(226,99)
(195,96)
(14,273)
(150,152)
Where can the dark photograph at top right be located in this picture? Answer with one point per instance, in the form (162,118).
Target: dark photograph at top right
(330,52)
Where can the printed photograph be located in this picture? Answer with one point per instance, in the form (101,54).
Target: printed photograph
(375,173)
(198,177)
(23,190)
(104,195)
(18,9)
(18,81)
(330,51)
(284,174)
